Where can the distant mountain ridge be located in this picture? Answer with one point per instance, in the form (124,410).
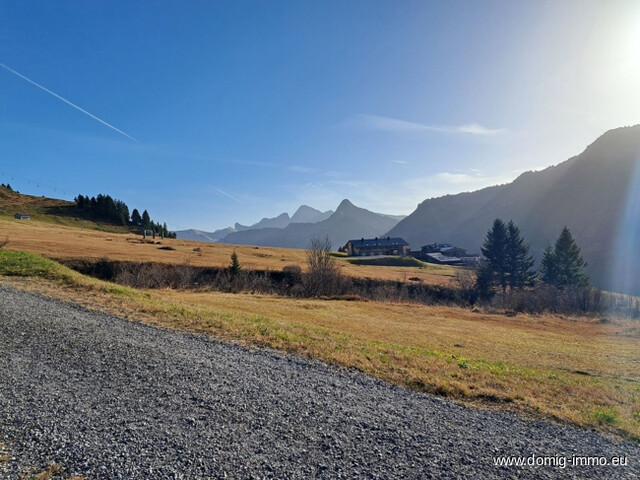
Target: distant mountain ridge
(591,194)
(304,214)
(347,222)
(201,236)
(280,221)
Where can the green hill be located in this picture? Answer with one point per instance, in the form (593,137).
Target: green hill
(51,210)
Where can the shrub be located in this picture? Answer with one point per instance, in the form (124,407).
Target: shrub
(323,277)
(292,275)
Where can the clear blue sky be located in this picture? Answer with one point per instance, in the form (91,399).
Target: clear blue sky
(207,113)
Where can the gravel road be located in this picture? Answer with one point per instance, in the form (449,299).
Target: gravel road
(108,398)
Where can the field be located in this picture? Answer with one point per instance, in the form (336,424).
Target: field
(54,241)
(579,370)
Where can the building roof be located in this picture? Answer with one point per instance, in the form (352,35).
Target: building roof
(440,258)
(378,242)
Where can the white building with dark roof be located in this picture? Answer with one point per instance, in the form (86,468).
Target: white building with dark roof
(366,247)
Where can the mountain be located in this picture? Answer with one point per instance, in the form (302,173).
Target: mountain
(306,214)
(280,221)
(200,236)
(595,194)
(347,222)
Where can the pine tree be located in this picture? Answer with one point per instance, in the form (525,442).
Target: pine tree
(493,271)
(568,264)
(136,219)
(146,220)
(548,268)
(519,263)
(234,268)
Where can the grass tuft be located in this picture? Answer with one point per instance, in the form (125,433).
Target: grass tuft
(606,416)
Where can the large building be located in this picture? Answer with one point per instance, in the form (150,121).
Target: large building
(366,247)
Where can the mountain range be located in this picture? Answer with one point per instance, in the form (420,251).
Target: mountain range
(595,194)
(347,222)
(304,214)
(297,231)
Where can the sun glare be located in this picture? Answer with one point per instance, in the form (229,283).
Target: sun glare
(624,276)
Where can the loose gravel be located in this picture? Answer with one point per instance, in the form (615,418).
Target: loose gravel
(107,398)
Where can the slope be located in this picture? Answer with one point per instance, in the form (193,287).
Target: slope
(589,193)
(50,210)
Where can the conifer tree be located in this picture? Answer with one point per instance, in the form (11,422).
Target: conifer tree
(136,219)
(548,272)
(518,260)
(234,268)
(493,271)
(146,220)
(565,265)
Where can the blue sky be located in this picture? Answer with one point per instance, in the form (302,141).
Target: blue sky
(207,113)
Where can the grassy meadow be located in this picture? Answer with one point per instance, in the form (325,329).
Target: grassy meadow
(579,370)
(70,242)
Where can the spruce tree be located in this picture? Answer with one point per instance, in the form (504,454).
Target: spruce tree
(493,271)
(234,268)
(568,262)
(136,219)
(146,220)
(548,268)
(518,260)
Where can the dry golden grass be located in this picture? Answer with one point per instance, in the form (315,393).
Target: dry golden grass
(53,469)
(40,209)
(47,473)
(572,369)
(65,242)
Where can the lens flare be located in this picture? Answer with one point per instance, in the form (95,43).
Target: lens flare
(625,268)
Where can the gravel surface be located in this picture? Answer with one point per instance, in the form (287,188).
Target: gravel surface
(107,398)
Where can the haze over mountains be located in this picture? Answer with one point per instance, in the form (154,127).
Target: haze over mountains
(595,194)
(304,214)
(347,222)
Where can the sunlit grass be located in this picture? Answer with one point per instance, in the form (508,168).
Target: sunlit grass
(572,369)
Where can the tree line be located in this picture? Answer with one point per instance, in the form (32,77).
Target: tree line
(107,209)
(507,264)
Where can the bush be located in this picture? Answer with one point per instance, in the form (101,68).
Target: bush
(293,282)
(292,275)
(323,277)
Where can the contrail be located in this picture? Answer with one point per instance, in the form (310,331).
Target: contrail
(67,102)
(229,195)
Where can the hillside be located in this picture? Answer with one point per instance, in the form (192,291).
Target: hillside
(593,194)
(347,222)
(50,210)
